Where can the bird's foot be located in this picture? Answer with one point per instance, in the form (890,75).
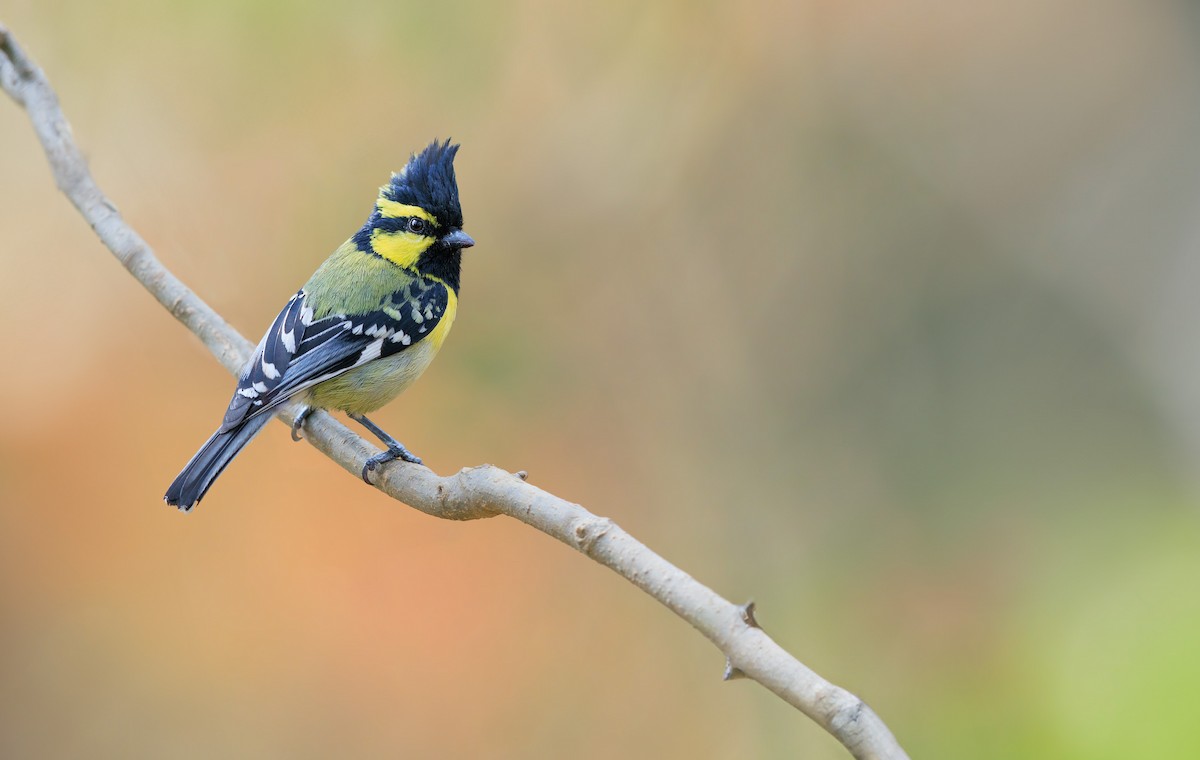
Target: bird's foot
(394,452)
(298,423)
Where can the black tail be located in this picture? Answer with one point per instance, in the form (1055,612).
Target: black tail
(191,484)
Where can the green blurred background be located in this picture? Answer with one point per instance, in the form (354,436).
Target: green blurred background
(882,314)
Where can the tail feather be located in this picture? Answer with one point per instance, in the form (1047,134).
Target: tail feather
(198,476)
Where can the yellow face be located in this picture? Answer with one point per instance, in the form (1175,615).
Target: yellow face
(404,246)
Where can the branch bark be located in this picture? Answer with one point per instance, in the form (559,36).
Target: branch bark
(473,493)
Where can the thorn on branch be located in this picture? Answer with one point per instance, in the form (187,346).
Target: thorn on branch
(732,673)
(747,611)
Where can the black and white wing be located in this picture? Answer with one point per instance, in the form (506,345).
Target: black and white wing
(299,351)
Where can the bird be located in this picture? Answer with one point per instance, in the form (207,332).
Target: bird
(362,329)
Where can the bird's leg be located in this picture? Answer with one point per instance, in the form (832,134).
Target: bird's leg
(298,423)
(395,449)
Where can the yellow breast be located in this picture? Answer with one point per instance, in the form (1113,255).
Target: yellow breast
(366,388)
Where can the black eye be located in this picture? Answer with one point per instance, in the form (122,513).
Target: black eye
(417,225)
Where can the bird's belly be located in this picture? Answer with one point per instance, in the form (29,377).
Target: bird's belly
(372,385)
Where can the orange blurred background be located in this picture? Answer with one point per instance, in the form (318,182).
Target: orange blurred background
(883,315)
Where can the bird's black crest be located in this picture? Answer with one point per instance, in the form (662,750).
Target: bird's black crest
(428,181)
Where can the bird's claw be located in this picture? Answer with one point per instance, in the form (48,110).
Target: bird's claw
(298,423)
(384,458)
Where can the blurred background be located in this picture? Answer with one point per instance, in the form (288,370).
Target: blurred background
(883,315)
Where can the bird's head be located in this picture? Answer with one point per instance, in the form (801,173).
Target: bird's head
(417,221)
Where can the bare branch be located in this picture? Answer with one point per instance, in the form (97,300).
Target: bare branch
(473,493)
